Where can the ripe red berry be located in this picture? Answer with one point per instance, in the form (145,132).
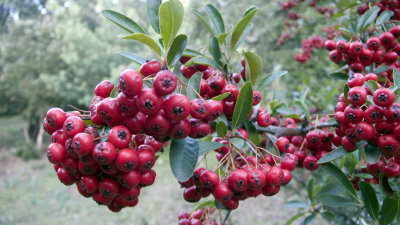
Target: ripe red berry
(364,131)
(199,108)
(356,48)
(146,160)
(209,179)
(263,119)
(289,161)
(386,38)
(58,137)
(177,107)
(119,136)
(233,90)
(357,96)
(149,68)
(149,102)
(104,88)
(89,183)
(127,160)
(237,180)
(130,82)
(353,114)
(236,77)
(157,125)
(384,97)
(108,110)
(55,118)
(256,97)
(256,179)
(127,106)
(55,153)
(310,162)
(335,56)
(231,204)
(165,83)
(342,46)
(269,190)
(65,177)
(389,145)
(104,153)
(391,57)
(283,144)
(130,179)
(395,31)
(216,83)
(392,169)
(330,45)
(373,43)
(180,129)
(129,194)
(287,176)
(135,123)
(109,188)
(199,129)
(73,125)
(191,195)
(188,71)
(215,109)
(357,67)
(274,176)
(147,178)
(82,144)
(222,192)
(392,113)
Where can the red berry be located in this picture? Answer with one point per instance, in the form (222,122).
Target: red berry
(109,188)
(231,204)
(373,43)
(209,179)
(216,83)
(199,108)
(330,45)
(310,162)
(392,113)
(256,97)
(357,96)
(383,97)
(65,177)
(191,195)
(146,158)
(180,129)
(58,137)
(177,107)
(127,106)
(274,176)
(233,90)
(150,68)
(256,179)
(147,178)
(55,118)
(188,71)
(130,82)
(215,109)
(335,56)
(108,110)
(73,125)
(237,180)
(89,183)
(356,48)
(119,136)
(127,159)
(129,194)
(386,38)
(157,125)
(342,46)
(199,129)
(165,83)
(104,153)
(104,88)
(389,145)
(353,114)
(55,153)
(222,192)
(149,102)
(270,190)
(135,123)
(130,179)
(364,131)
(391,57)
(82,144)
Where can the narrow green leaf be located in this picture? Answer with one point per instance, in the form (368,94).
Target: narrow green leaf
(346,92)
(310,190)
(221,96)
(373,86)
(114,92)
(396,77)
(364,175)
(303,107)
(367,19)
(337,201)
(309,219)
(208,146)
(222,37)
(337,153)
(381,69)
(202,61)
(215,50)
(390,207)
(384,185)
(238,143)
(145,39)
(252,131)
(294,218)
(287,112)
(202,20)
(123,21)
(191,53)
(183,157)
(132,56)
(170,17)
(341,178)
(328,216)
(268,79)
(194,82)
(222,129)
(240,27)
(202,205)
(339,75)
(244,34)
(253,66)
(383,17)
(372,153)
(153,7)
(216,19)
(243,105)
(176,50)
(370,200)
(296,204)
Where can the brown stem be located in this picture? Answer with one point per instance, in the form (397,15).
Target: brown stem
(284,131)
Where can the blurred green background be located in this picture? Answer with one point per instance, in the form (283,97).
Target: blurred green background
(54,52)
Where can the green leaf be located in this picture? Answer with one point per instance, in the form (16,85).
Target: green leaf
(367,19)
(390,207)
(202,61)
(396,77)
(202,20)
(209,146)
(170,17)
(222,37)
(244,34)
(364,175)
(183,157)
(214,50)
(222,129)
(337,201)
(294,218)
(132,56)
(145,39)
(219,205)
(310,190)
(243,106)
(287,112)
(337,153)
(216,19)
(153,7)
(191,53)
(253,66)
(221,96)
(328,216)
(114,92)
(372,154)
(238,143)
(252,131)
(383,17)
(370,200)
(341,178)
(339,75)
(123,21)
(194,82)
(309,219)
(346,92)
(303,107)
(296,204)
(384,185)
(267,80)
(373,86)
(176,50)
(202,205)
(88,122)
(381,69)
(240,27)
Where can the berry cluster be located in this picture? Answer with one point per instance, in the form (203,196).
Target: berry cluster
(112,172)
(374,120)
(198,217)
(391,5)
(377,50)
